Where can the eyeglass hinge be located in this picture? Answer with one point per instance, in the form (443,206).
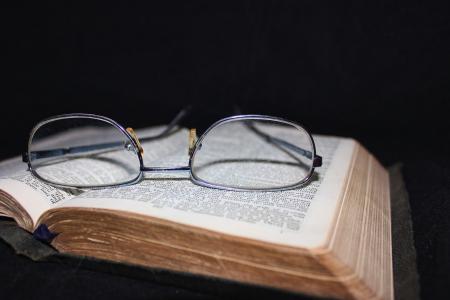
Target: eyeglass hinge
(25,157)
(317,162)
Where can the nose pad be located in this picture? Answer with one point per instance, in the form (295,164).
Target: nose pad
(130,147)
(135,139)
(192,140)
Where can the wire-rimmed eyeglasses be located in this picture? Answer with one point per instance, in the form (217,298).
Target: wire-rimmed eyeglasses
(240,153)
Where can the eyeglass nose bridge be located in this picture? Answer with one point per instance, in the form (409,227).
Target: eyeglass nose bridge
(192,141)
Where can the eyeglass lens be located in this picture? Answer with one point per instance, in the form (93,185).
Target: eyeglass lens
(83,152)
(254,154)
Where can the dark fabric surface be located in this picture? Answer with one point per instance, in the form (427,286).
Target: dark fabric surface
(404,261)
(406,278)
(428,183)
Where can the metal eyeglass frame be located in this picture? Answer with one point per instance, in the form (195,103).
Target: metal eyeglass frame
(316,159)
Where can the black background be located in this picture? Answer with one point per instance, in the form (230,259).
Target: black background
(377,72)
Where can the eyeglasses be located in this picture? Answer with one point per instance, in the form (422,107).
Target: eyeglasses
(240,153)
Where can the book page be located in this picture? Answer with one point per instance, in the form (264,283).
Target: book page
(36,197)
(298,217)
(33,195)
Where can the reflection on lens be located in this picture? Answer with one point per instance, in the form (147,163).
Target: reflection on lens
(254,154)
(83,152)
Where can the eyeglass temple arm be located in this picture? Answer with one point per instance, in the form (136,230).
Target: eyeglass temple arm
(70,150)
(119,145)
(317,159)
(175,122)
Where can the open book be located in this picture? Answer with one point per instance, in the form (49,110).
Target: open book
(330,238)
